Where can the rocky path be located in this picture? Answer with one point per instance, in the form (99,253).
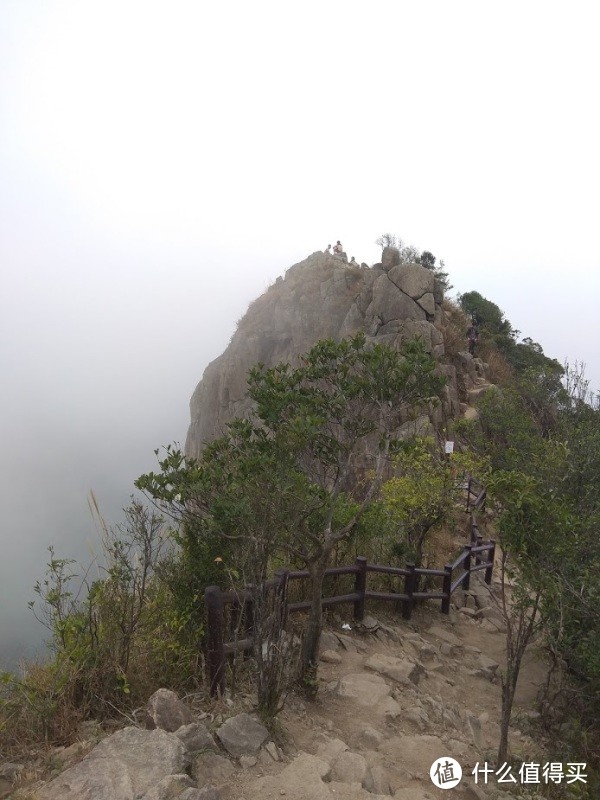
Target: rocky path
(394,697)
(394,700)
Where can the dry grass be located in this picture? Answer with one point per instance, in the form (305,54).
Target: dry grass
(455,326)
(444,541)
(39,709)
(499,370)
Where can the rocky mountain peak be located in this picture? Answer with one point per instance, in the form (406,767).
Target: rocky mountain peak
(322,297)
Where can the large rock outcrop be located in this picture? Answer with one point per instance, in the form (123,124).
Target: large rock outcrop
(123,766)
(320,297)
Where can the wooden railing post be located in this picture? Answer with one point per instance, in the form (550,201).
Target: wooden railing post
(491,555)
(467,579)
(478,542)
(468,495)
(215,650)
(446,587)
(360,588)
(235,611)
(409,588)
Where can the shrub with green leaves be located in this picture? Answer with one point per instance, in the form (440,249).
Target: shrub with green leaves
(113,641)
(274,486)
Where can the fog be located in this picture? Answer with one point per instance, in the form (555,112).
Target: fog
(162,163)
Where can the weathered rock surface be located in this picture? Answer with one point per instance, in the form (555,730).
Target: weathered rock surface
(124,766)
(366,689)
(371,738)
(196,738)
(329,641)
(369,623)
(165,710)
(321,297)
(300,780)
(330,750)
(212,768)
(271,749)
(390,257)
(413,280)
(349,767)
(446,636)
(330,657)
(170,787)
(242,735)
(414,754)
(311,777)
(401,670)
(205,793)
(376,780)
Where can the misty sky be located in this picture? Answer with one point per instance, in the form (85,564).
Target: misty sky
(162,162)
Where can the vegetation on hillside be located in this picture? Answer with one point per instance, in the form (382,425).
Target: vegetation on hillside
(498,332)
(318,473)
(273,487)
(545,463)
(111,638)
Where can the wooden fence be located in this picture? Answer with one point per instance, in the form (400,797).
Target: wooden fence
(475,556)
(476,495)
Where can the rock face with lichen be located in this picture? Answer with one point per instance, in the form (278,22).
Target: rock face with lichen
(323,297)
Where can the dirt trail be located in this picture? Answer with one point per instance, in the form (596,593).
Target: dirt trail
(392,700)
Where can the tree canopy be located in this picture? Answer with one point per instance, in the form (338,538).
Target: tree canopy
(320,430)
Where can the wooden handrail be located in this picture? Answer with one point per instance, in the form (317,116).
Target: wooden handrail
(242,601)
(380,568)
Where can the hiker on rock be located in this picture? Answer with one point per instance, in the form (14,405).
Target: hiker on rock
(473,337)
(353,262)
(328,250)
(338,249)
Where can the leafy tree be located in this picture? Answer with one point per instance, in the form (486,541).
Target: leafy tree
(528,354)
(531,526)
(443,276)
(279,479)
(489,316)
(422,494)
(575,624)
(543,394)
(427,259)
(497,331)
(342,395)
(504,431)
(543,442)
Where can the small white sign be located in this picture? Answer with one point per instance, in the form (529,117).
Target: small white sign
(449,448)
